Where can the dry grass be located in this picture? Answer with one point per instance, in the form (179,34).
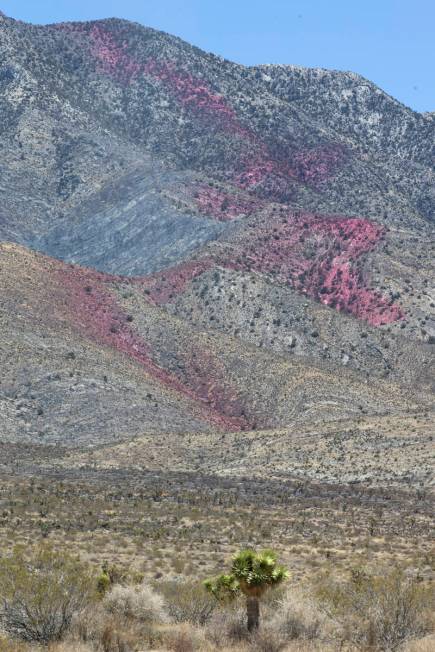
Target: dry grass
(426,644)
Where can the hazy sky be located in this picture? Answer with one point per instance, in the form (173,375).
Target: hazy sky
(392,42)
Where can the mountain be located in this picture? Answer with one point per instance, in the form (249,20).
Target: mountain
(190,245)
(98,359)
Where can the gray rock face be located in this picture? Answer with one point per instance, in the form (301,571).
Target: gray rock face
(139,234)
(398,140)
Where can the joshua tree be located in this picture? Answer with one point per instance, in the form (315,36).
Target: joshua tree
(251,574)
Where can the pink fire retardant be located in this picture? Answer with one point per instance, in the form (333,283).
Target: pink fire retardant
(319,256)
(94,311)
(322,257)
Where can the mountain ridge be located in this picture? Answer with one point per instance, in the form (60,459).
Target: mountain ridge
(257,242)
(288,66)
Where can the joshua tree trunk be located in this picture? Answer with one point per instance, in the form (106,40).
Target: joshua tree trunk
(253,613)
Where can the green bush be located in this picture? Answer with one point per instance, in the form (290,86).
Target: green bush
(41,593)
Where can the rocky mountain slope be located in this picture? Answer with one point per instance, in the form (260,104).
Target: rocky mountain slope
(222,248)
(88,357)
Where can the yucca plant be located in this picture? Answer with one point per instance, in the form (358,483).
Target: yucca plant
(252,574)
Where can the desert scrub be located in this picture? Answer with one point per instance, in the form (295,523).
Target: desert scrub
(114,631)
(41,592)
(227,627)
(379,612)
(139,603)
(188,602)
(296,616)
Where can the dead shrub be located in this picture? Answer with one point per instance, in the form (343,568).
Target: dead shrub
(139,603)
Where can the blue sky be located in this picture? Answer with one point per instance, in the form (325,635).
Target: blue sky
(392,42)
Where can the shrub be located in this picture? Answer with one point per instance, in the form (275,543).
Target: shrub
(41,595)
(183,640)
(266,640)
(89,625)
(227,627)
(140,603)
(108,632)
(380,613)
(297,617)
(188,602)
(103,582)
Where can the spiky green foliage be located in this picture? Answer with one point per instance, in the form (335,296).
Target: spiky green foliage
(252,573)
(224,587)
(256,572)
